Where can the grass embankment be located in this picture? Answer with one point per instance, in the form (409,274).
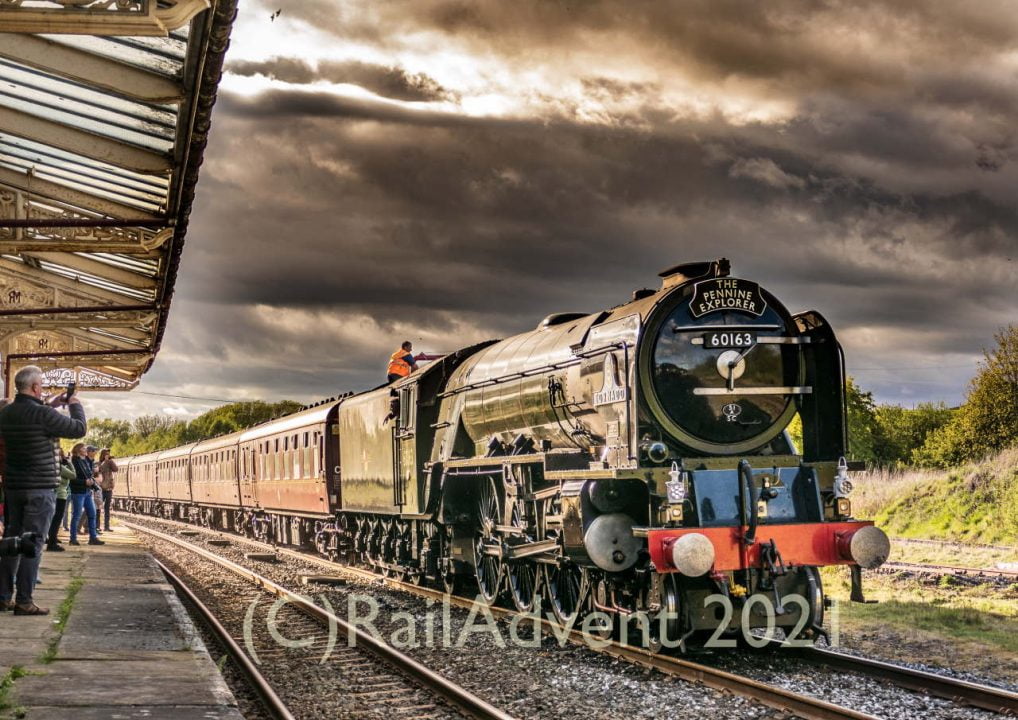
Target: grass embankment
(986,614)
(975,503)
(914,616)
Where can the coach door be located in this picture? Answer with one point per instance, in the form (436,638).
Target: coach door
(405,452)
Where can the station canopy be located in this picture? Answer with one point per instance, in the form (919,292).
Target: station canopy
(104,115)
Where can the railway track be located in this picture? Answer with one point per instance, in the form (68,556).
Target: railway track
(963,692)
(952,543)
(993,573)
(982,696)
(272,703)
(470,705)
(959,691)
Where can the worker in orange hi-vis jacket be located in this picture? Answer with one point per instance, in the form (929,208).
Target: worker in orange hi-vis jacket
(401,362)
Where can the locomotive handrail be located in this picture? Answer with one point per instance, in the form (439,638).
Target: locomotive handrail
(750,326)
(768,340)
(620,345)
(747,491)
(777,390)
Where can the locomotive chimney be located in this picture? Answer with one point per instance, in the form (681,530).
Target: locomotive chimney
(687,272)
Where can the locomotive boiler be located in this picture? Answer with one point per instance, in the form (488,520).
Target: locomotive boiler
(632,465)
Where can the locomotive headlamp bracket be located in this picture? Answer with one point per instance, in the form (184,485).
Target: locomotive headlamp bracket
(676,485)
(842,485)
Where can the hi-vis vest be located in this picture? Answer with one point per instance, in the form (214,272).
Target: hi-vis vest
(397,365)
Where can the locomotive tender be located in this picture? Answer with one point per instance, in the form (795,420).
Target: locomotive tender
(630,461)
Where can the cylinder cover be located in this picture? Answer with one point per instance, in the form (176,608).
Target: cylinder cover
(610,543)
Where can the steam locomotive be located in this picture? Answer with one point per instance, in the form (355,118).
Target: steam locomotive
(632,464)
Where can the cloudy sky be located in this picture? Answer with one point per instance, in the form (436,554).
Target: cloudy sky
(452,171)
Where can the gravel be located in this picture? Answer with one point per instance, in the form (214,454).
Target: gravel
(314,680)
(553,681)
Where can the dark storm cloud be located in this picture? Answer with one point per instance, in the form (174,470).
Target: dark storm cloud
(826,45)
(328,227)
(430,210)
(387,81)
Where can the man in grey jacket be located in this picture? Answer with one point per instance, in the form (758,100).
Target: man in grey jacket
(31,429)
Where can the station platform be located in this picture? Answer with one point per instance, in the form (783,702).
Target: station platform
(128,648)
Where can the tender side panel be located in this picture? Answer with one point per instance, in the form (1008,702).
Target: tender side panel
(366,452)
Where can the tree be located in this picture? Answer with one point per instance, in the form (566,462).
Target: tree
(152,433)
(988,421)
(865,436)
(106,433)
(148,424)
(903,430)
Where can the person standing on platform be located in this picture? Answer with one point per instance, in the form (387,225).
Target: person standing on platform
(66,475)
(97,494)
(81,496)
(3,461)
(401,362)
(30,429)
(107,479)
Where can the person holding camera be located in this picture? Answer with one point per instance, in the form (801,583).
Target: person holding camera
(107,478)
(31,429)
(81,495)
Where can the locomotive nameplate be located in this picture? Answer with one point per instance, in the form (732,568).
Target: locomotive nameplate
(612,391)
(726,294)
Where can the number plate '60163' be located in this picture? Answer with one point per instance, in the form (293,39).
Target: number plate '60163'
(728,339)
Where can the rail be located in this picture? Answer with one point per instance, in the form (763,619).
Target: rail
(272,702)
(964,692)
(775,697)
(950,570)
(961,691)
(466,701)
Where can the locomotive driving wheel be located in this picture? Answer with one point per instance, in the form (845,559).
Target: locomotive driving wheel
(488,566)
(522,575)
(567,590)
(402,537)
(665,627)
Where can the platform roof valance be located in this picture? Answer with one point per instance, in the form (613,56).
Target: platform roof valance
(104,113)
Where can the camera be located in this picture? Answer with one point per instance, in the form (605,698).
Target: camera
(24,545)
